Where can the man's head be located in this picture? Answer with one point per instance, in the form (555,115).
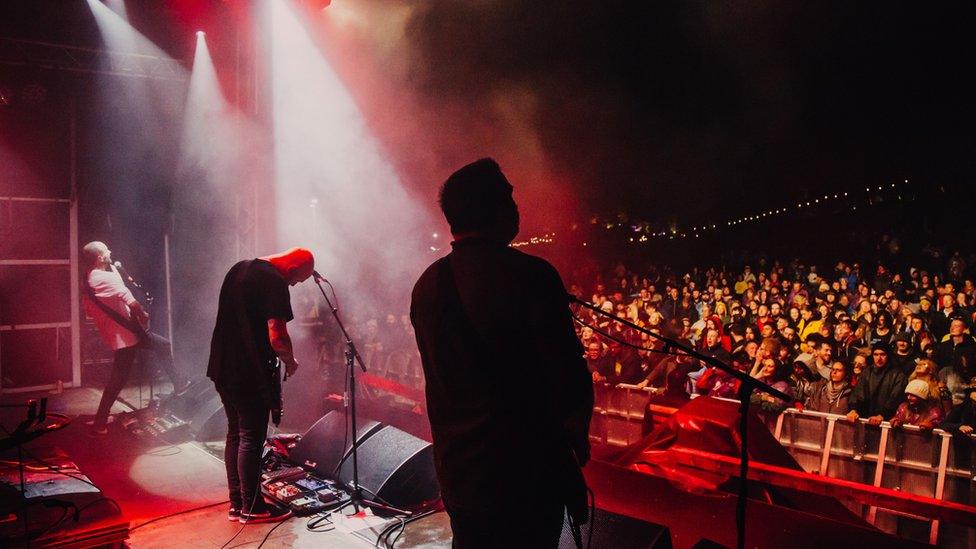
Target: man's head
(903,343)
(711,338)
(825,351)
(838,372)
(477,200)
(295,265)
(594,350)
(879,355)
(916,323)
(97,254)
(957,327)
(842,331)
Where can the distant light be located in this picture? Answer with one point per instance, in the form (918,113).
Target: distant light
(435,235)
(201,34)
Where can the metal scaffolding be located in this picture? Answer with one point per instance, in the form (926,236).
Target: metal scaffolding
(14,51)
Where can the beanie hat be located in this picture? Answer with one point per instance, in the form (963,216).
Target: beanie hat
(918,387)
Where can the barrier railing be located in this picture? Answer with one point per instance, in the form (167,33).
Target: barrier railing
(927,463)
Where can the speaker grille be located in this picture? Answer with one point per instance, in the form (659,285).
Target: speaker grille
(321,448)
(396,466)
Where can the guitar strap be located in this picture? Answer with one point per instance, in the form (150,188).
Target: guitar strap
(115,316)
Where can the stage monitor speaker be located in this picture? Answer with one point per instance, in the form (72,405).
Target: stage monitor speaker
(613,530)
(189,401)
(209,422)
(395,466)
(325,444)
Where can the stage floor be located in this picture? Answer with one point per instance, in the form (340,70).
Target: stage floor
(152,479)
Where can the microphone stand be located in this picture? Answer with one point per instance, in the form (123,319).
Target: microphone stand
(356,498)
(746,386)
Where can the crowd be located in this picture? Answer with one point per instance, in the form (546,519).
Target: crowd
(883,346)
(878,345)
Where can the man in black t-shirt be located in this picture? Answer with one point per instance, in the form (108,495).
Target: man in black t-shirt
(509,401)
(252,314)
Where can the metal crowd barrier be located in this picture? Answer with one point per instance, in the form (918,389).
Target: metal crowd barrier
(933,464)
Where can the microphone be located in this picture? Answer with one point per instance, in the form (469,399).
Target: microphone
(123,272)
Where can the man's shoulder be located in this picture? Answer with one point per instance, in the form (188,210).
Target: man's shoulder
(99,278)
(427,279)
(531,262)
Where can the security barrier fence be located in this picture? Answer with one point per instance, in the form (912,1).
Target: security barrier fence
(934,464)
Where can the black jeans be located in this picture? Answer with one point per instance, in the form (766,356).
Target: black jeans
(155,354)
(247,429)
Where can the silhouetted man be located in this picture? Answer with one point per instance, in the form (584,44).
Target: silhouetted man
(508,393)
(251,331)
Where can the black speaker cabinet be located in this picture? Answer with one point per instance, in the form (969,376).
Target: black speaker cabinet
(185,405)
(396,466)
(209,422)
(613,530)
(324,446)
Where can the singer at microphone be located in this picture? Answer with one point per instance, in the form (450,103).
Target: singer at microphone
(122,322)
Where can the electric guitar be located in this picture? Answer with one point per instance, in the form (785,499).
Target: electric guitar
(274,398)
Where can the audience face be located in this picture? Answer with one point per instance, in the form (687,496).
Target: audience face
(880,357)
(751,349)
(594,350)
(923,369)
(825,352)
(901,347)
(957,328)
(838,372)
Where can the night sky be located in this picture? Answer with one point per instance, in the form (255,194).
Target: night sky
(695,107)
(679,109)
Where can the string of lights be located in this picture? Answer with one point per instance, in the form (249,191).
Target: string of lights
(644,231)
(547,238)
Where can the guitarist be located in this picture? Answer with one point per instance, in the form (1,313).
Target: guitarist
(509,397)
(249,338)
(121,321)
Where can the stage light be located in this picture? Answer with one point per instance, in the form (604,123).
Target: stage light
(201,34)
(323,146)
(118,6)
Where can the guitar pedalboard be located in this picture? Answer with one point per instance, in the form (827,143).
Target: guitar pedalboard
(301,492)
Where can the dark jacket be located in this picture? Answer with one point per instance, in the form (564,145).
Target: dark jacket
(905,363)
(961,356)
(879,391)
(508,393)
(962,414)
(819,400)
